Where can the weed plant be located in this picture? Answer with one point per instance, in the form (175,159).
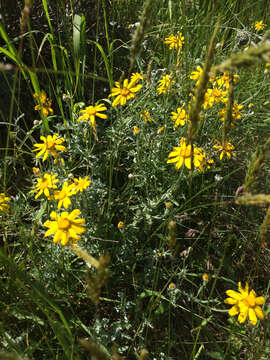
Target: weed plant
(134,196)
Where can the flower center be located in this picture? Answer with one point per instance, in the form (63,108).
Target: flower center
(44,183)
(91,111)
(62,194)
(63,224)
(249,301)
(185,152)
(124,92)
(217,93)
(50,144)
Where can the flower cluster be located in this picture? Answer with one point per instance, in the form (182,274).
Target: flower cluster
(47,183)
(165,84)
(245,304)
(236,113)
(44,104)
(180,117)
(3,203)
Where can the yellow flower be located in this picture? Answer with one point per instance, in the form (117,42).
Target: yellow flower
(179,118)
(125,92)
(259,25)
(160,129)
(165,84)
(168,204)
(196,75)
(236,114)
(182,155)
(44,184)
(201,162)
(36,171)
(65,227)
(135,77)
(3,206)
(175,42)
(120,225)
(266,70)
(136,130)
(245,304)
(251,104)
(146,116)
(224,80)
(205,277)
(64,195)
(172,286)
(213,96)
(226,149)
(81,184)
(44,103)
(51,145)
(91,112)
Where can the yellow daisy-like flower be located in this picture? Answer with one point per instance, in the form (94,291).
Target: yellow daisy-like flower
(205,277)
(165,84)
(120,225)
(135,77)
(175,42)
(136,130)
(64,195)
(245,304)
(259,25)
(125,92)
(65,227)
(196,75)
(81,184)
(146,116)
(51,144)
(91,112)
(3,206)
(226,149)
(179,118)
(44,104)
(44,184)
(181,155)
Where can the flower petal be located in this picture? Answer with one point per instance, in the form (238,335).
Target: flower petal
(252,316)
